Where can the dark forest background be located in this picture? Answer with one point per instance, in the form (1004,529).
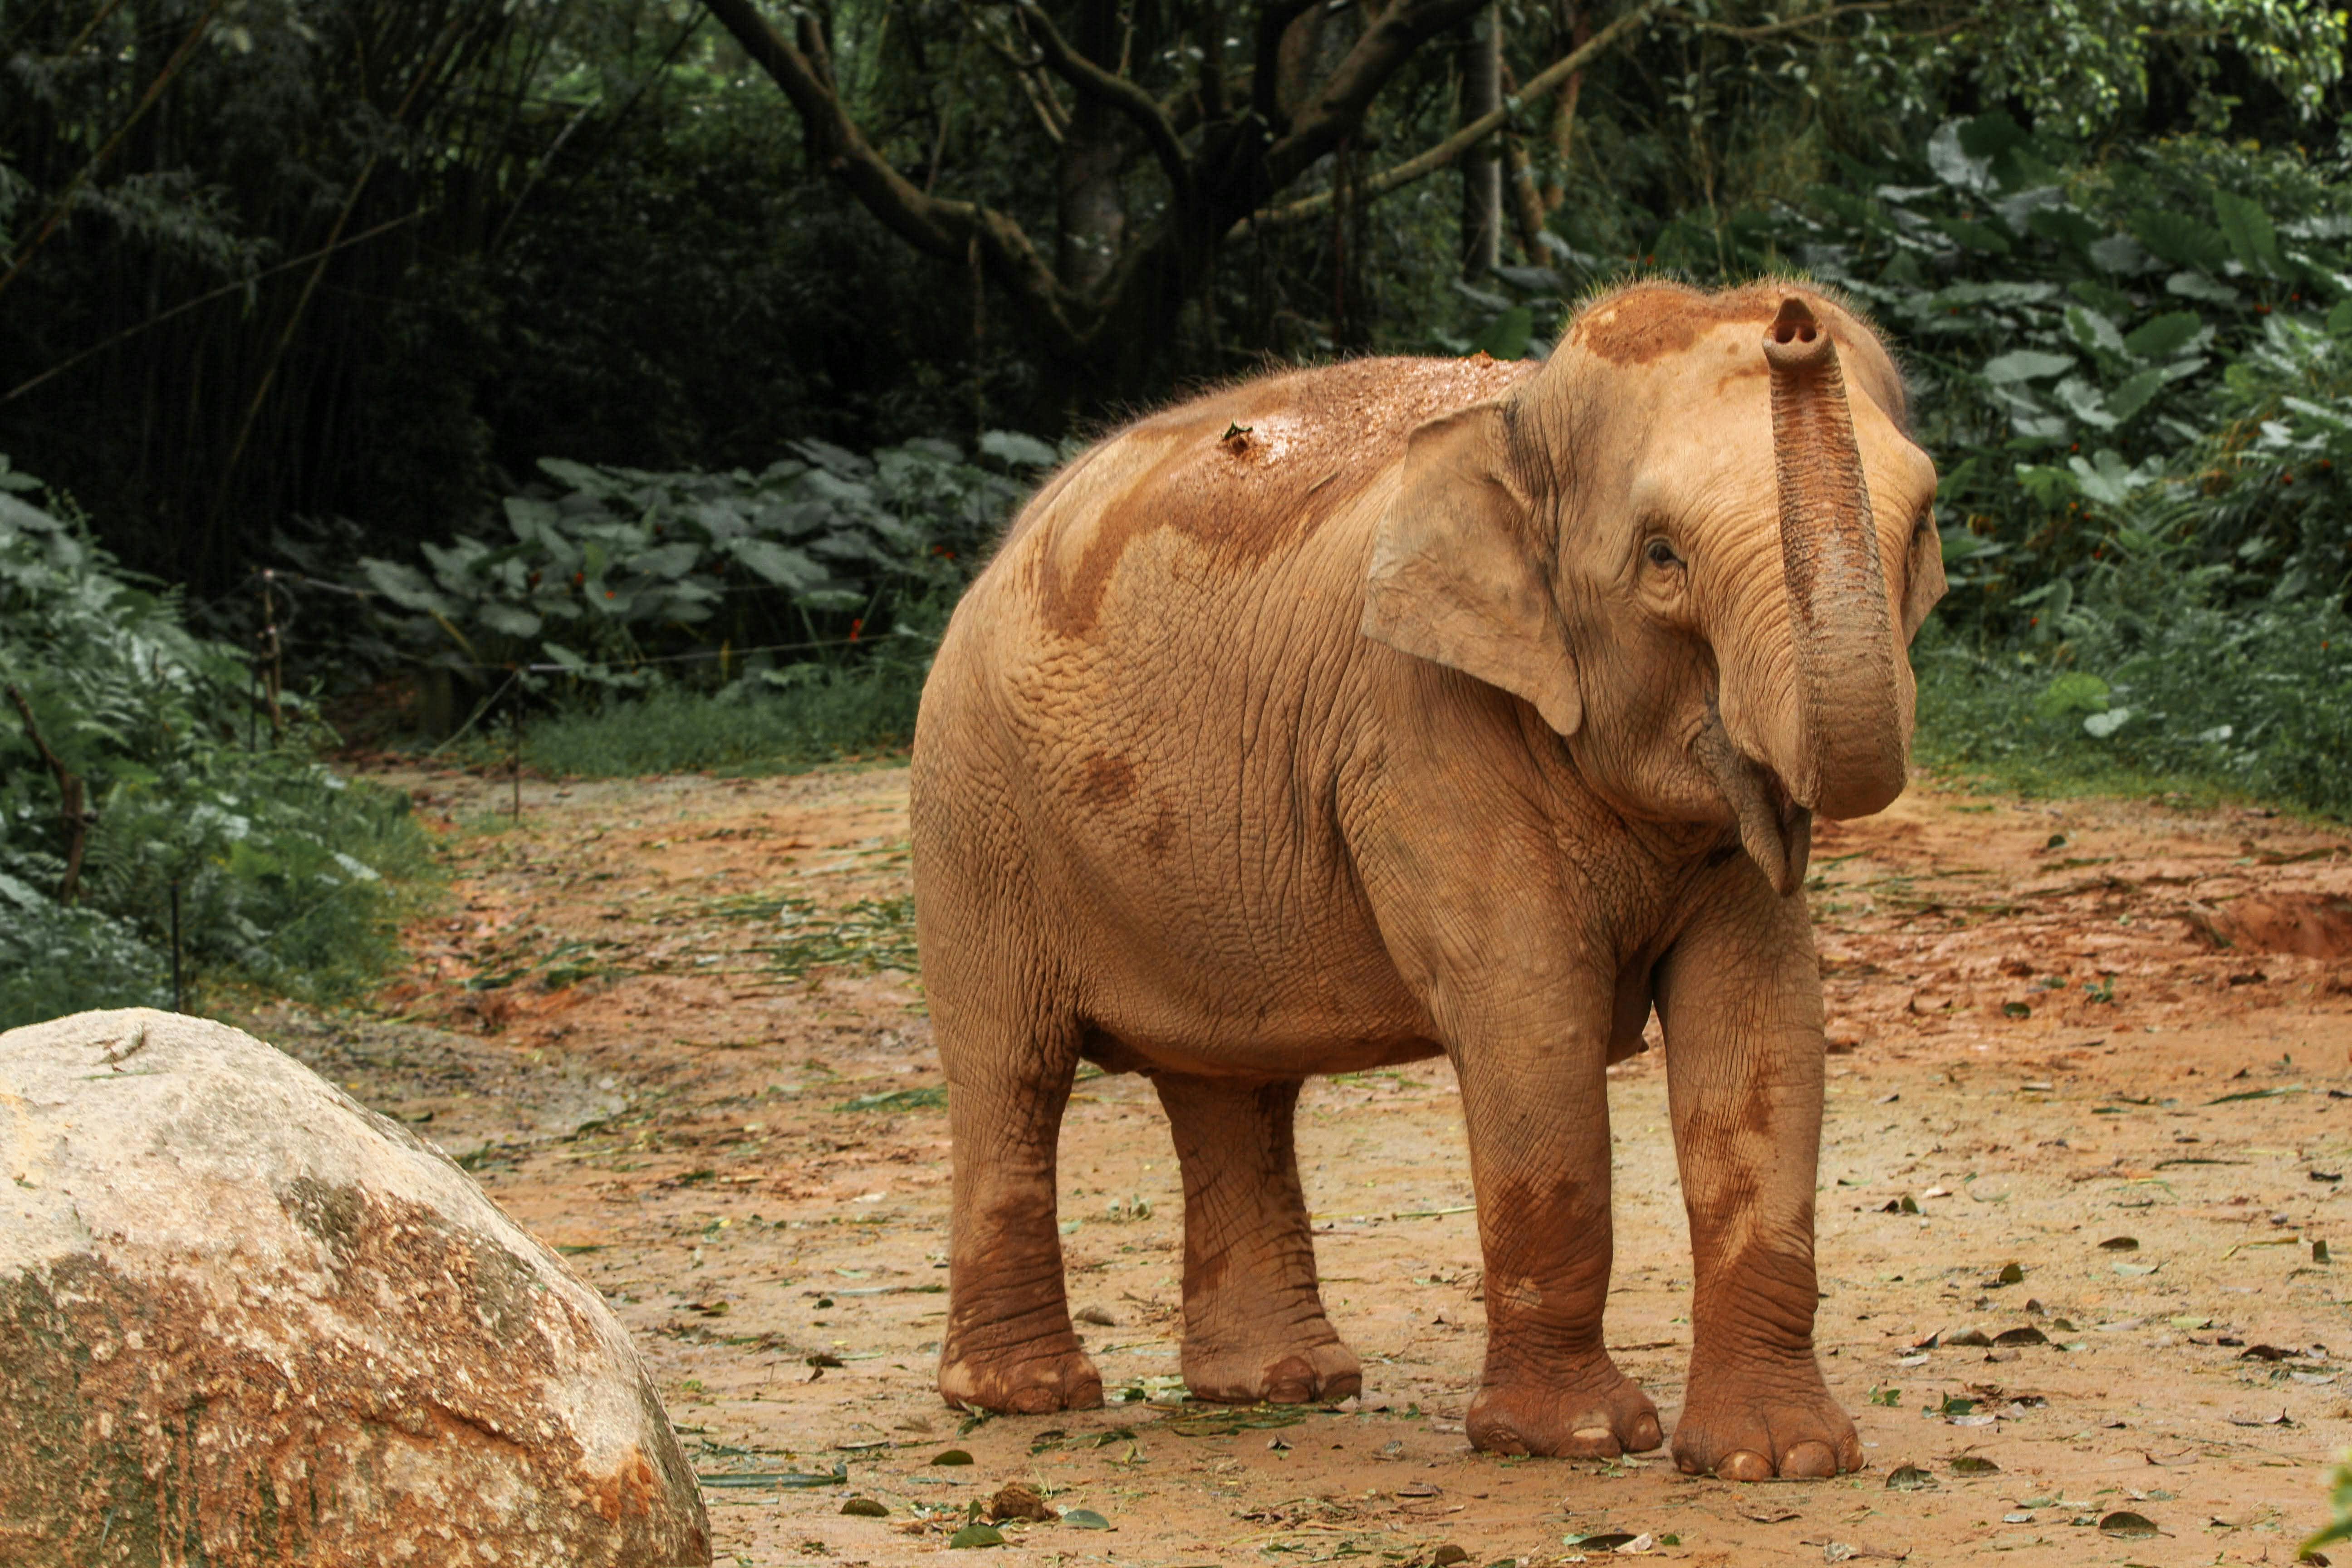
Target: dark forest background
(624,385)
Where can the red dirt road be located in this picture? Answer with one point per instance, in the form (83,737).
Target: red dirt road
(2043,1059)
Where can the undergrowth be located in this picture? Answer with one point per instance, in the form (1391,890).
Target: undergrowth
(829,715)
(290,878)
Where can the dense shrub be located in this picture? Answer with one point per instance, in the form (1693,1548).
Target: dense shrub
(2135,374)
(289,875)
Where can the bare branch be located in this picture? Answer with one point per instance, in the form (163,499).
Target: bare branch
(1273,19)
(1337,110)
(937,227)
(1773,29)
(71,813)
(1116,91)
(1539,85)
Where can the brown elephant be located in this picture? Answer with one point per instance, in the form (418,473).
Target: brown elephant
(1344,717)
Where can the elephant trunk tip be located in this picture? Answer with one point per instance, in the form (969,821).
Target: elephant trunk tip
(1796,341)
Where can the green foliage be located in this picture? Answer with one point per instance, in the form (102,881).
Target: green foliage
(741,728)
(2338,1528)
(287,873)
(625,579)
(2135,374)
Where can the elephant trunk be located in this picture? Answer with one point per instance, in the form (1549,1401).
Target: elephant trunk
(1853,741)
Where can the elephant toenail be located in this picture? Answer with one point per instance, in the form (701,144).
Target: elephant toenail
(1600,1438)
(1809,1461)
(1744,1465)
(1646,1435)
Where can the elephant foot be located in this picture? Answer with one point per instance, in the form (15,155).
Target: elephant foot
(1591,1413)
(1021,1381)
(1746,1424)
(1272,1371)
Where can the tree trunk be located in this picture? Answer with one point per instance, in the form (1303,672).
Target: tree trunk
(1482,172)
(1092,208)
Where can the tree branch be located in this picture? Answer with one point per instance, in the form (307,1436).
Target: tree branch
(1274,20)
(1113,90)
(1337,110)
(937,227)
(1773,29)
(1539,85)
(70,811)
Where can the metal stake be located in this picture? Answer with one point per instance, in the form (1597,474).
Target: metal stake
(177,997)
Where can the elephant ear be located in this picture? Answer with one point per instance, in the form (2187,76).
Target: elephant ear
(1923,581)
(1457,575)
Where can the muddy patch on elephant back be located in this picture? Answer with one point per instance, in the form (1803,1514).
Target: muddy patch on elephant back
(768,1214)
(1245,472)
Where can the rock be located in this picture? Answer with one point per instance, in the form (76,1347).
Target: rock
(1015,1501)
(243,1320)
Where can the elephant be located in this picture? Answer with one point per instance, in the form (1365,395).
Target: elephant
(1346,716)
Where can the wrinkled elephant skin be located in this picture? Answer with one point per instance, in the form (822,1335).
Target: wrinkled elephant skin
(1344,717)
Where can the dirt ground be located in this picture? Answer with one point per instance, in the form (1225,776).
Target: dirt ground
(2089,1080)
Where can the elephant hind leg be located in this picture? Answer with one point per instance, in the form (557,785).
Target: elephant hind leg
(1254,1322)
(1009,1345)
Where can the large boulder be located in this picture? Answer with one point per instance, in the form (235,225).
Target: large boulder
(243,1320)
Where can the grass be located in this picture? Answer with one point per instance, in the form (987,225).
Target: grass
(740,728)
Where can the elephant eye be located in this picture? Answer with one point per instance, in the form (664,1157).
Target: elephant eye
(1660,554)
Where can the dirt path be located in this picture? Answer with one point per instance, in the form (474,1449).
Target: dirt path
(661,1020)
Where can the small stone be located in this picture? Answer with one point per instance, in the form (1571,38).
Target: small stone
(1015,1501)
(864,1508)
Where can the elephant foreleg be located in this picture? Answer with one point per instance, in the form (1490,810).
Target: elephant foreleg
(1741,999)
(1254,1322)
(1538,1111)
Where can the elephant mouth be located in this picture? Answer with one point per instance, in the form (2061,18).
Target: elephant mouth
(1776,833)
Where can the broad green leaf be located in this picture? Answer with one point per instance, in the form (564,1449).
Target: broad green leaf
(1507,336)
(1975,235)
(2249,231)
(1016,450)
(2065,225)
(2191,285)
(2084,401)
(2121,255)
(1991,134)
(667,560)
(2339,318)
(2164,336)
(838,461)
(531,518)
(2026,364)
(2075,691)
(1959,296)
(508,620)
(1951,161)
(2107,480)
(2134,394)
(2180,240)
(2099,726)
(2093,331)
(407,586)
(778,564)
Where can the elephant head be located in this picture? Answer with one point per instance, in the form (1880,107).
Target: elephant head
(1692,541)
